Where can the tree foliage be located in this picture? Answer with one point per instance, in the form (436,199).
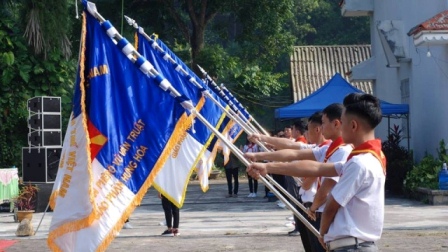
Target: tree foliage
(425,173)
(22,76)
(244,44)
(330,28)
(46,26)
(239,42)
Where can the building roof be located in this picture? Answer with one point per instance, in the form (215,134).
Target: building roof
(433,31)
(436,23)
(313,66)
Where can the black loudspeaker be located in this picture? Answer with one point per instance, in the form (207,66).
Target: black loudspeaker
(40,164)
(45,121)
(45,138)
(43,104)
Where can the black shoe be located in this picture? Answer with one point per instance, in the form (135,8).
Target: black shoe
(168,233)
(235,195)
(229,196)
(294,233)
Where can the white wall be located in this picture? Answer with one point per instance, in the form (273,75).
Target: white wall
(428,77)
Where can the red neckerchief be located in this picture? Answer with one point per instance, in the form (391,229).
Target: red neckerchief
(334,146)
(373,147)
(301,139)
(250,147)
(326,142)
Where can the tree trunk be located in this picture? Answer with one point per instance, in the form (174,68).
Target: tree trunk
(197,44)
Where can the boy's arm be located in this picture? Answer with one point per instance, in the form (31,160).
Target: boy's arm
(322,193)
(287,155)
(330,211)
(304,168)
(276,142)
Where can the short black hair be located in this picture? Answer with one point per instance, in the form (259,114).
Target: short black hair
(333,111)
(365,106)
(316,118)
(300,126)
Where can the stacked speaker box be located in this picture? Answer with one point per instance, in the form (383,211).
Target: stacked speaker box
(44,121)
(40,160)
(40,164)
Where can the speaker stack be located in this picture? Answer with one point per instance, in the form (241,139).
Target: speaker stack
(40,160)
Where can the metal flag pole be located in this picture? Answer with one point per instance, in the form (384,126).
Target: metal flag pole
(229,100)
(231,114)
(148,68)
(259,143)
(40,222)
(245,110)
(240,156)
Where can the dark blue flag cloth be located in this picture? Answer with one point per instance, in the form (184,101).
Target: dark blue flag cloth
(122,131)
(195,151)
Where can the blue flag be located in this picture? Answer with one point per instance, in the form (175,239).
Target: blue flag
(122,130)
(195,151)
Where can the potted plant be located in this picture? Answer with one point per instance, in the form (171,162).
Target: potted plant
(25,202)
(399,161)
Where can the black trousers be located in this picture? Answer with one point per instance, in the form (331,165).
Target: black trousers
(253,184)
(304,234)
(229,174)
(280,179)
(171,213)
(314,241)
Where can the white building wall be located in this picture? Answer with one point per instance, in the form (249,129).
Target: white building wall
(428,76)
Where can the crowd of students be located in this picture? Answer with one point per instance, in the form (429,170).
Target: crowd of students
(338,170)
(333,165)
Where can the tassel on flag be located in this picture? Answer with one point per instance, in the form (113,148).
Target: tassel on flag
(123,128)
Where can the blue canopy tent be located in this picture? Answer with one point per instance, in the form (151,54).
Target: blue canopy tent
(333,91)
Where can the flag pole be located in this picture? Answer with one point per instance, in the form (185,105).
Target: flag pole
(251,117)
(259,143)
(240,156)
(140,61)
(231,114)
(148,68)
(223,94)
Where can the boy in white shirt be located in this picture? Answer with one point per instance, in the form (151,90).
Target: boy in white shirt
(354,213)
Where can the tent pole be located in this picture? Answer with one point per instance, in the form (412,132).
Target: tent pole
(409,136)
(388,126)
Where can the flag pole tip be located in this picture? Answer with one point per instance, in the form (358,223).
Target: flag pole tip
(91,7)
(201,69)
(129,20)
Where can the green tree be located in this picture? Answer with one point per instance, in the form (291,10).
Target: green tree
(331,28)
(47,26)
(24,75)
(252,34)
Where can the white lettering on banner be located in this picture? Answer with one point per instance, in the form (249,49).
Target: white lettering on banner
(105,178)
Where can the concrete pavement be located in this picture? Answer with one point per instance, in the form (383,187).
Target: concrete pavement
(211,222)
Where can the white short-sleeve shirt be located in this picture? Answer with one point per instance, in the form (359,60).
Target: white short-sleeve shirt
(360,192)
(250,148)
(308,195)
(340,155)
